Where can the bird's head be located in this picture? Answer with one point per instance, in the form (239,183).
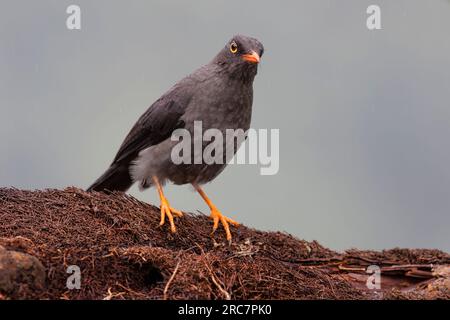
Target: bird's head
(241,56)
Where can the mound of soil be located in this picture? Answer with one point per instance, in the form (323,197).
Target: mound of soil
(121,252)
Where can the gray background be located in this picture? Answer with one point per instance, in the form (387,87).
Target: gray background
(364,116)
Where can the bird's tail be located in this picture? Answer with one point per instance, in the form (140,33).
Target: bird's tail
(116,178)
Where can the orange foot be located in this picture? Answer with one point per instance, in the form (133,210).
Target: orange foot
(167,210)
(217,216)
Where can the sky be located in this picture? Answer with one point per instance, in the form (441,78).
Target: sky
(363,115)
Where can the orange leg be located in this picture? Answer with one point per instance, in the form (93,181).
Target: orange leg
(216,215)
(166,209)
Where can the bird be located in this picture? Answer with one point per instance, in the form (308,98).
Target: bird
(219,94)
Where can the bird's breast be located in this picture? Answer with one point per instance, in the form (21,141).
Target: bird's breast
(221,104)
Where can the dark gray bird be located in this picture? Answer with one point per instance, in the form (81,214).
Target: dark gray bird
(220,95)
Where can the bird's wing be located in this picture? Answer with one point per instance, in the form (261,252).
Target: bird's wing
(156,124)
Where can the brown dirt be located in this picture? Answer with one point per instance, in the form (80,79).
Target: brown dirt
(123,253)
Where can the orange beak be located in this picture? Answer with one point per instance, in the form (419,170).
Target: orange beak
(251,57)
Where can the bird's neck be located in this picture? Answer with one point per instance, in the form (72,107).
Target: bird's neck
(244,73)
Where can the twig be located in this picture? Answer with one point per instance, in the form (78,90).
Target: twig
(113,295)
(225,293)
(166,288)
(129,290)
(341,267)
(213,278)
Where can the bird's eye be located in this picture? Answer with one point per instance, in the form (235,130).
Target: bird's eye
(233,47)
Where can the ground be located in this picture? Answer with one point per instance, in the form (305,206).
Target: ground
(123,253)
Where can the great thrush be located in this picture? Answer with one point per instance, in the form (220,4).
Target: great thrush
(220,95)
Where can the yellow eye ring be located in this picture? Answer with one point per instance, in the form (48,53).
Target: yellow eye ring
(233,47)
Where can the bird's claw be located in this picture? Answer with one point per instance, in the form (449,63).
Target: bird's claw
(217,216)
(167,210)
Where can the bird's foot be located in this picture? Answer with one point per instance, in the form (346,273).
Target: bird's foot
(217,216)
(167,210)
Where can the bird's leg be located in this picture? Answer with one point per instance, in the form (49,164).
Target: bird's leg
(166,209)
(216,215)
